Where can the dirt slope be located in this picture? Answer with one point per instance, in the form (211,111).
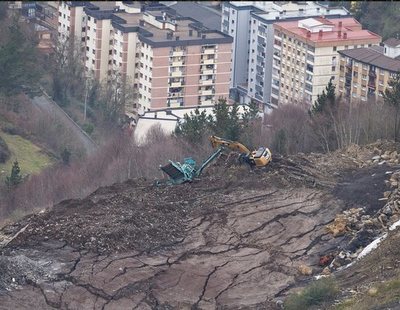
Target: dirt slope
(232,239)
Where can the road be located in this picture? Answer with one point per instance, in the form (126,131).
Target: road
(45,104)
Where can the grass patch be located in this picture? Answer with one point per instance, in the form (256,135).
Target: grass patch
(317,293)
(388,294)
(30,157)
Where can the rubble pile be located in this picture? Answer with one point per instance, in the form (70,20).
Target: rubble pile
(361,228)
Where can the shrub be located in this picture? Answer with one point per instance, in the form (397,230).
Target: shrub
(88,128)
(4,151)
(318,292)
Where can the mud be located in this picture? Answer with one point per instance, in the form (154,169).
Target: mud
(231,240)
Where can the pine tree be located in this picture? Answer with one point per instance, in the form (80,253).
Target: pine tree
(327,98)
(15,178)
(193,126)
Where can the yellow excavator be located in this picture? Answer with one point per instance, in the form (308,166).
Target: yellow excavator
(258,158)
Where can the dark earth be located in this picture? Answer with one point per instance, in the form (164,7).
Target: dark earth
(232,239)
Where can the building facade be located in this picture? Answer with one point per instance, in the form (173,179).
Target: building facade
(171,61)
(365,72)
(306,56)
(250,23)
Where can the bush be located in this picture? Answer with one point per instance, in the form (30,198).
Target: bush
(88,128)
(10,130)
(318,292)
(4,151)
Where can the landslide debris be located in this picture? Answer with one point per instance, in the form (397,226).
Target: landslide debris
(232,238)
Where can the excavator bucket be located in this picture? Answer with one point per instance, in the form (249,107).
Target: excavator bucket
(173,172)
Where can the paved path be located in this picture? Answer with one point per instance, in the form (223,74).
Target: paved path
(46,104)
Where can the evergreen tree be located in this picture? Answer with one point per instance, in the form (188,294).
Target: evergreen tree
(15,178)
(234,128)
(220,122)
(193,126)
(327,98)
(392,97)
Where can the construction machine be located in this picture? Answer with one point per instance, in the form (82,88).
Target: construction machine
(186,172)
(258,158)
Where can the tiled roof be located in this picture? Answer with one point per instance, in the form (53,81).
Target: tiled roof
(392,42)
(372,57)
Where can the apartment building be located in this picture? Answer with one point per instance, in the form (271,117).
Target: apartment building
(250,23)
(365,72)
(306,55)
(172,61)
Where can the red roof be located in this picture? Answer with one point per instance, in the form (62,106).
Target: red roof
(349,25)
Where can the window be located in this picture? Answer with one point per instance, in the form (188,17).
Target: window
(94,51)
(346,47)
(93,61)
(114,62)
(334,48)
(95,20)
(110,52)
(87,48)
(333,68)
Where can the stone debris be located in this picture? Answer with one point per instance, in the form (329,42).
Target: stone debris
(305,270)
(363,228)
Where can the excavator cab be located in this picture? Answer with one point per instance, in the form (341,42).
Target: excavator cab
(259,158)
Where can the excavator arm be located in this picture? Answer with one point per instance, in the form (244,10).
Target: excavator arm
(233,145)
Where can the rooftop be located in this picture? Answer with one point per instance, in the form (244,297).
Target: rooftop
(373,57)
(340,30)
(188,31)
(393,42)
(208,17)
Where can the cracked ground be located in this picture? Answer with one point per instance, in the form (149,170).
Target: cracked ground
(231,240)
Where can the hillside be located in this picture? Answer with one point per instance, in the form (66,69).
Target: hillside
(231,239)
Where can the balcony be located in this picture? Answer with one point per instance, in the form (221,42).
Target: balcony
(176,73)
(177,54)
(208,61)
(207,82)
(176,84)
(208,92)
(177,63)
(175,103)
(175,95)
(207,72)
(208,51)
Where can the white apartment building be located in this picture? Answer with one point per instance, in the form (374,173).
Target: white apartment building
(250,23)
(306,57)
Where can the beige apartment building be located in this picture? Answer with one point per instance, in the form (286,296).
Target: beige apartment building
(306,55)
(366,72)
(173,62)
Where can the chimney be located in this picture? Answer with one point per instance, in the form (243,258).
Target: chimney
(340,24)
(320,34)
(190,32)
(345,35)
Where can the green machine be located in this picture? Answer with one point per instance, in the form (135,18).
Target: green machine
(186,172)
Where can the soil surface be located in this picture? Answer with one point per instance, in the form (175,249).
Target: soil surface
(233,239)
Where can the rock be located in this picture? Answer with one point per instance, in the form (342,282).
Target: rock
(377,151)
(387,194)
(387,210)
(338,227)
(325,260)
(393,155)
(305,270)
(376,157)
(373,291)
(385,156)
(326,271)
